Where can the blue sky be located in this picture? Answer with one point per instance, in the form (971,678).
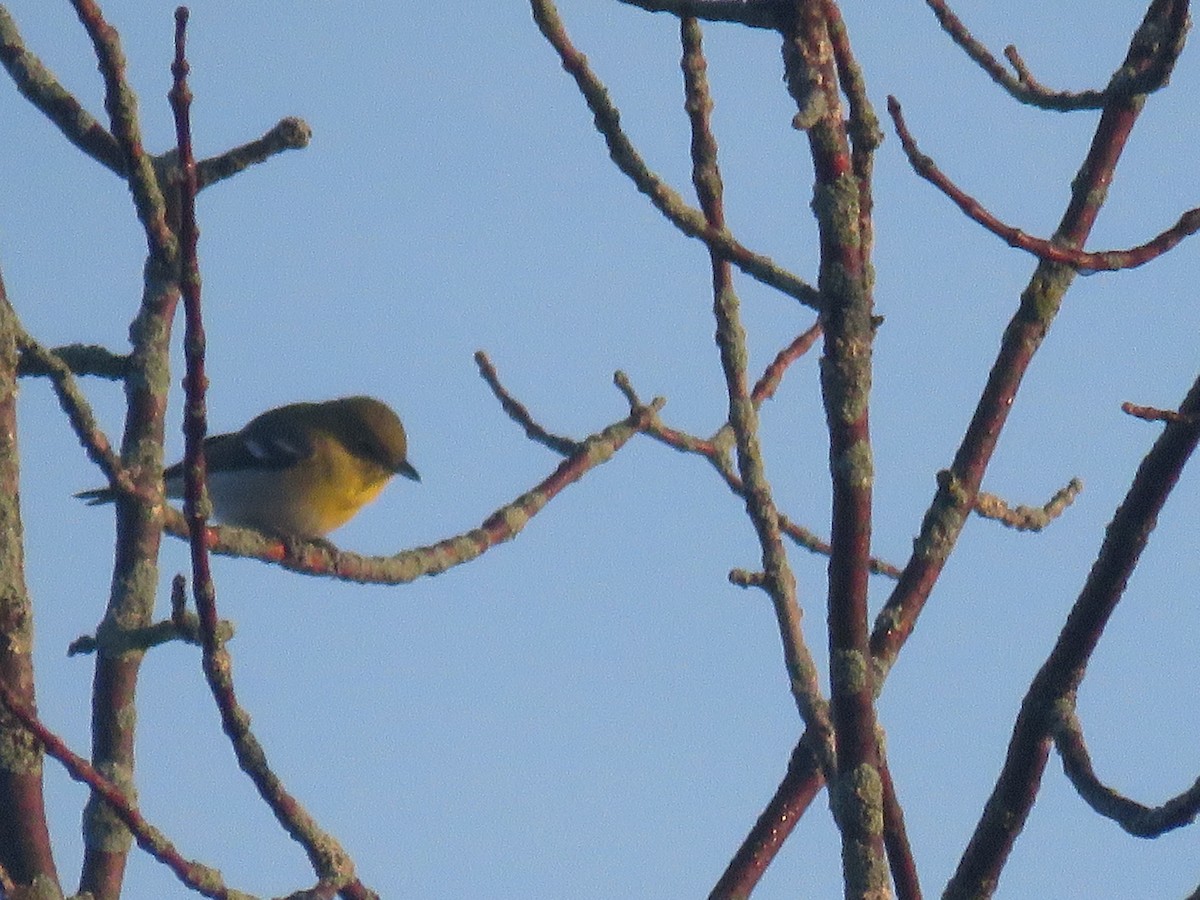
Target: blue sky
(592,710)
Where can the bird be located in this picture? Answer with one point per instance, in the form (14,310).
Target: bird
(300,470)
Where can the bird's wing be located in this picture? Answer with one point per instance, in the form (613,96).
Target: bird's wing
(252,448)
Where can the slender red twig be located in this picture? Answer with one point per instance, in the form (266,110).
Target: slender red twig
(519,414)
(331,863)
(895,836)
(1094,261)
(765,387)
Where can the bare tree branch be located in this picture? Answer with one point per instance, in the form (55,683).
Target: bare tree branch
(686,218)
(1046,250)
(1027,518)
(1055,683)
(1136,818)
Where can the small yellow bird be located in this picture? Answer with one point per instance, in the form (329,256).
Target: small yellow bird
(299,470)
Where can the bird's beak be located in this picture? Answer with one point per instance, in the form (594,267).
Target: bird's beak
(406,469)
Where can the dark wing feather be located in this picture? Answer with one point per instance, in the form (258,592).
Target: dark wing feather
(260,445)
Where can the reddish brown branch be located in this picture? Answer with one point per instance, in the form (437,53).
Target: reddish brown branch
(895,837)
(1126,536)
(1047,250)
(1152,414)
(25,851)
(331,863)
(842,186)
(200,878)
(765,387)
(796,791)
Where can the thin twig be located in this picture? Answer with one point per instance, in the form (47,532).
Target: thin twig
(328,859)
(1152,414)
(519,414)
(778,580)
(1021,86)
(765,387)
(1028,518)
(666,199)
(287,134)
(1047,250)
(79,412)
